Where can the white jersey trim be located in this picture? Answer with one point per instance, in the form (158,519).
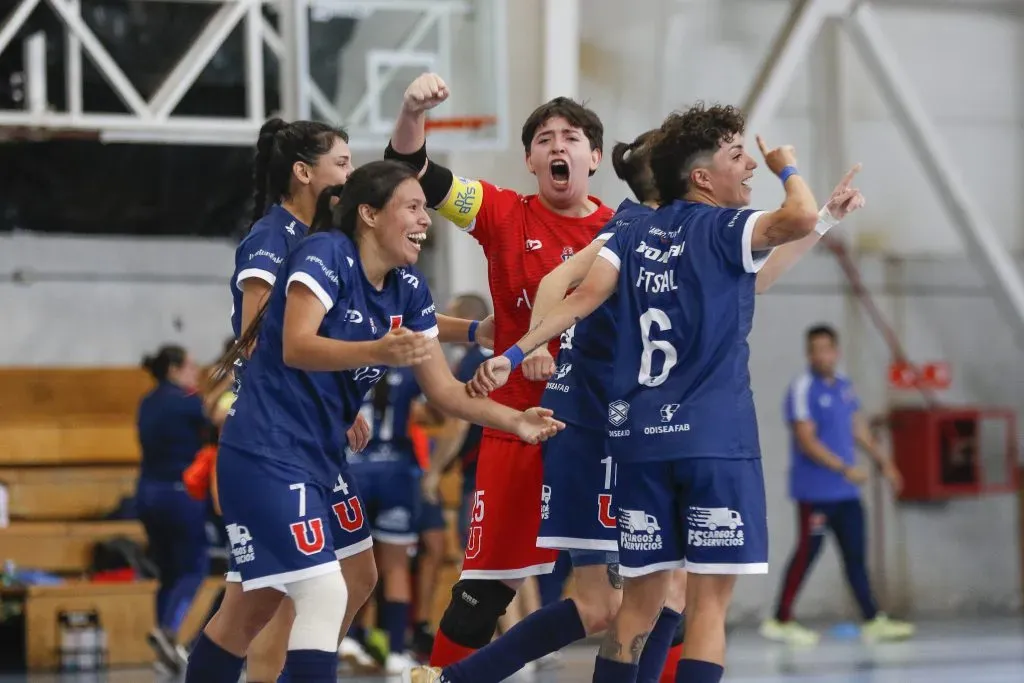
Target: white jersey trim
(750,264)
(354,549)
(522,573)
(800,391)
(265,275)
(565,543)
(602,238)
(633,572)
(611,257)
(727,569)
(431,333)
(314,286)
(389,538)
(283,579)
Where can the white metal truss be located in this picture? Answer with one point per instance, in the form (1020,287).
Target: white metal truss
(152,120)
(860,20)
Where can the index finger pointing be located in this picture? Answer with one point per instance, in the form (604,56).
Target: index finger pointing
(848,178)
(762,146)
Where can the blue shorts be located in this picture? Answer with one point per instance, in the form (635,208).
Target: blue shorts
(282,526)
(431,517)
(706,515)
(576,511)
(390,489)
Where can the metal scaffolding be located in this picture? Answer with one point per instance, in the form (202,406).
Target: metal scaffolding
(860,21)
(153,120)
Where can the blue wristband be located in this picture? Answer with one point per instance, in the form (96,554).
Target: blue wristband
(786,172)
(472,330)
(516,355)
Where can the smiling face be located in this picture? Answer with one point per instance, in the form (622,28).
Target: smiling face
(561,157)
(400,228)
(332,168)
(725,177)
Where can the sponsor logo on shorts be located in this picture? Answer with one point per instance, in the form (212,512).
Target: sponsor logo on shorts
(241,543)
(639,531)
(545,502)
(714,527)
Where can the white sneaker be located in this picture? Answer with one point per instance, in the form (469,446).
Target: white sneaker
(788,632)
(398,663)
(353,654)
(421,674)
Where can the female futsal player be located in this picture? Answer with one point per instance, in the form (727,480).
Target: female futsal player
(296,164)
(350,307)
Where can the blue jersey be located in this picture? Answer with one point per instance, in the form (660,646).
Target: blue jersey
(298,418)
(261,253)
(578,391)
(685,307)
(830,405)
(387,408)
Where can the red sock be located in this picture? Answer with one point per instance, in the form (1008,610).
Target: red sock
(668,674)
(446,652)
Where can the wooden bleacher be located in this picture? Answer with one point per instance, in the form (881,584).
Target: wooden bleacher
(68,455)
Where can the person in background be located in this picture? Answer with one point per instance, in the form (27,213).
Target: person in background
(827,425)
(173,427)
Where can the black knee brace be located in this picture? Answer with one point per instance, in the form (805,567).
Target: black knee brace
(472,615)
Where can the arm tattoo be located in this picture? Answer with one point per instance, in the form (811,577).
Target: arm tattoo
(637,648)
(527,352)
(614,578)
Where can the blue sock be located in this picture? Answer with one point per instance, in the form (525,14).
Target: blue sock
(696,671)
(652,660)
(547,630)
(210,663)
(357,632)
(610,671)
(284,677)
(393,618)
(312,666)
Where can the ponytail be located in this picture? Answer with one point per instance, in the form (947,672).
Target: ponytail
(239,349)
(631,161)
(261,166)
(166,357)
(323,219)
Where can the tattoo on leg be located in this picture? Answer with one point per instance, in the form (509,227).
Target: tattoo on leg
(611,648)
(637,648)
(614,578)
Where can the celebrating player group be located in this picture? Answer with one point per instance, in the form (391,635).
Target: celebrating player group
(619,422)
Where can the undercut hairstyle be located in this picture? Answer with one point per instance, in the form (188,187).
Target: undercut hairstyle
(687,140)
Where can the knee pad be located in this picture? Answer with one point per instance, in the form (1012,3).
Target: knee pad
(319,611)
(474,610)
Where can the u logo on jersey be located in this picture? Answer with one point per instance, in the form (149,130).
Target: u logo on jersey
(349,513)
(604,511)
(473,543)
(301,532)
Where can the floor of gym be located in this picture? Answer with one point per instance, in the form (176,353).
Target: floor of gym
(981,651)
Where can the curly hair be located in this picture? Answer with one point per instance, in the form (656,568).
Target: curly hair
(687,139)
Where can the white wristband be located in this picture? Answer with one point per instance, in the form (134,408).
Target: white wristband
(825,221)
